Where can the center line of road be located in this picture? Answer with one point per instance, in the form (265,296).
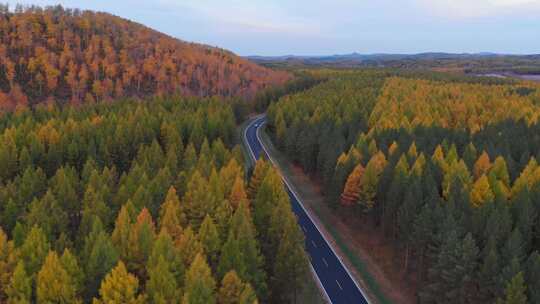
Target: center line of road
(325,263)
(339,285)
(312,242)
(304,228)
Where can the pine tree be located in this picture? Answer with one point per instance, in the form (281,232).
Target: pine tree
(119,286)
(238,194)
(198,201)
(243,230)
(370,179)
(199,285)
(488,276)
(259,173)
(170,216)
(120,235)
(165,248)
(515,291)
(270,194)
(233,290)
(34,250)
(291,264)
(93,206)
(8,262)
(19,290)
(71,266)
(161,287)
(481,192)
(48,215)
(210,240)
(532,274)
(100,256)
(351,192)
(141,240)
(189,246)
(482,165)
(54,284)
(499,170)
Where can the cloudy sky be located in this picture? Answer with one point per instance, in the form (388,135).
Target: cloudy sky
(322,27)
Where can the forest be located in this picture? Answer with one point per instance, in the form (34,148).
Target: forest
(141,202)
(445,166)
(56,55)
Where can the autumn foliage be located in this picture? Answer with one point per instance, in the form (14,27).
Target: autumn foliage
(445,166)
(141,202)
(64,55)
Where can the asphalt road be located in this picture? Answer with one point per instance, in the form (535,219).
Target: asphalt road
(333,276)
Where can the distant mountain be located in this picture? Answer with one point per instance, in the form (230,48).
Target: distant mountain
(66,55)
(468,62)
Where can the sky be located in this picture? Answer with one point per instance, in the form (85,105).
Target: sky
(326,27)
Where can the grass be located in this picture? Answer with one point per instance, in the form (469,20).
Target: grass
(311,292)
(359,265)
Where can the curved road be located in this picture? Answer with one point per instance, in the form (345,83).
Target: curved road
(334,278)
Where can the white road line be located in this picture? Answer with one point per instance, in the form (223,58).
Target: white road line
(304,228)
(314,245)
(324,261)
(309,215)
(339,285)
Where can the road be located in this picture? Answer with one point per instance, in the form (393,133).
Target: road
(332,275)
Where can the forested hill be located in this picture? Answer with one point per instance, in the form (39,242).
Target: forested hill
(63,55)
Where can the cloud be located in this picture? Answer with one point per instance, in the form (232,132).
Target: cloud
(479,8)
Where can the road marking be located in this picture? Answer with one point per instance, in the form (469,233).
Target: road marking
(339,285)
(314,245)
(304,228)
(308,214)
(325,263)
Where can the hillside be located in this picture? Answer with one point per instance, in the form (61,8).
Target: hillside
(64,55)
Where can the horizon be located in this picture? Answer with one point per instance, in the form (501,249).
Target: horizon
(481,53)
(319,28)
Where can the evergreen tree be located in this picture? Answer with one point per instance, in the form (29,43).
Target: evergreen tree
(291,264)
(198,201)
(482,165)
(164,248)
(93,206)
(34,250)
(210,240)
(8,262)
(121,233)
(141,240)
(351,192)
(71,266)
(370,179)
(48,215)
(259,173)
(54,284)
(233,290)
(189,246)
(19,290)
(481,192)
(238,194)
(488,276)
(515,291)
(200,285)
(161,287)
(532,274)
(100,256)
(119,286)
(170,217)
(243,230)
